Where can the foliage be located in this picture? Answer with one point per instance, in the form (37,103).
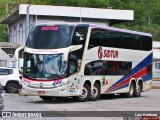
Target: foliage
(146,19)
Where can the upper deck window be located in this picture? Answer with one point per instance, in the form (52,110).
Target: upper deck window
(79,35)
(116,39)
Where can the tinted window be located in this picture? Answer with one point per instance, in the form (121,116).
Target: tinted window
(147,43)
(137,42)
(79,35)
(75,57)
(6,71)
(49,37)
(103,67)
(108,38)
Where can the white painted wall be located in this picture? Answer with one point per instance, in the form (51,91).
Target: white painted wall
(77,12)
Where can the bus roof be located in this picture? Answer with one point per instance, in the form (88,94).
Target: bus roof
(121,30)
(100,27)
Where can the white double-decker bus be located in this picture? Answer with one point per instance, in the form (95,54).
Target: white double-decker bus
(85,61)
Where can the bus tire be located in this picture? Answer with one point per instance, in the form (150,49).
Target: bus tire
(86,93)
(131,91)
(95,93)
(46,98)
(138,90)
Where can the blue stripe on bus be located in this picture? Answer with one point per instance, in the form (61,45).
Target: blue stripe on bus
(145,78)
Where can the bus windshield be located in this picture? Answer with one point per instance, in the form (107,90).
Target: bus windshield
(49,37)
(45,66)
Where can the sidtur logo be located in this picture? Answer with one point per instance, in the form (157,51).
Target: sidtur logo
(107,53)
(100,52)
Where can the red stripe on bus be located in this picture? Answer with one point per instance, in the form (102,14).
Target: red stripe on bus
(41,80)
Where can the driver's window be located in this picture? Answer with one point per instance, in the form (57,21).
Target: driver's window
(72,67)
(75,59)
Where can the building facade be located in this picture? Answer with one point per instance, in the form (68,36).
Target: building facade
(37,14)
(156,60)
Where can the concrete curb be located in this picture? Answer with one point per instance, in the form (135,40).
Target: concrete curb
(155,87)
(156,79)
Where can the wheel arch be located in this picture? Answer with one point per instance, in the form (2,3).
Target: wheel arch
(87,82)
(15,81)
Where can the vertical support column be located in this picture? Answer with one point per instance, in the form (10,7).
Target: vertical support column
(27,22)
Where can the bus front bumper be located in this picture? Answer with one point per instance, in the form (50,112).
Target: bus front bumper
(57,92)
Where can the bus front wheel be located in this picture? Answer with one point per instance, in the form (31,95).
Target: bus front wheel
(86,93)
(138,90)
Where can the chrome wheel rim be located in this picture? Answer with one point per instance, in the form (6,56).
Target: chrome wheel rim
(138,89)
(131,90)
(84,92)
(94,92)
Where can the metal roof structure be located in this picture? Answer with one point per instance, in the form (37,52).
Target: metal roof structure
(113,15)
(156,44)
(156,50)
(4,55)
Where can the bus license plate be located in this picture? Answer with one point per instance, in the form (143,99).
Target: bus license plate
(41,92)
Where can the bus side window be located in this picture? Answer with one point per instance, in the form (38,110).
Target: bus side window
(91,43)
(79,35)
(72,67)
(74,58)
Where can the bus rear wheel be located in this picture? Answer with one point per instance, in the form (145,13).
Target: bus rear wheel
(86,93)
(138,90)
(46,98)
(131,91)
(95,94)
